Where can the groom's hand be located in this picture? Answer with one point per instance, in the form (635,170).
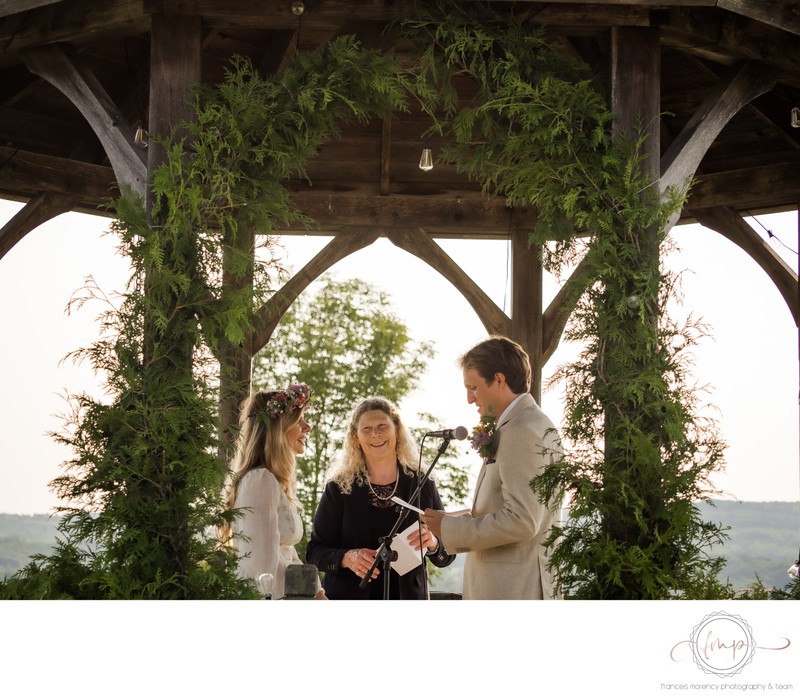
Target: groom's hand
(432,518)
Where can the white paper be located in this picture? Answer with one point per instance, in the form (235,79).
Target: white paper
(405,504)
(407,557)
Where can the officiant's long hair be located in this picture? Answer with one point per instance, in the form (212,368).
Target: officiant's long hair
(351,467)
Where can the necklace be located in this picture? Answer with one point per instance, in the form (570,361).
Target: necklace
(390,495)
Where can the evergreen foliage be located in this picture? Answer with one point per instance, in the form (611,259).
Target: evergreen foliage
(143,488)
(538,131)
(143,485)
(346,342)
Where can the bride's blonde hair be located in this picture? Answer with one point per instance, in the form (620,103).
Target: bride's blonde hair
(265,419)
(351,468)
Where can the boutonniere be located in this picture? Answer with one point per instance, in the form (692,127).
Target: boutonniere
(483,436)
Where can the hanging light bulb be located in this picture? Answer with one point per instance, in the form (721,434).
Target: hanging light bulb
(426,159)
(795,117)
(140,137)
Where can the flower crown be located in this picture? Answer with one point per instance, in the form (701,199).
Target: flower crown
(279,402)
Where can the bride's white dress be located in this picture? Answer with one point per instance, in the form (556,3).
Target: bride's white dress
(272,527)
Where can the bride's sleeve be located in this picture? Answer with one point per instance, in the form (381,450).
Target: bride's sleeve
(259,494)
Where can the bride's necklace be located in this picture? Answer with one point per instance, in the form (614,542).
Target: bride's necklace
(390,495)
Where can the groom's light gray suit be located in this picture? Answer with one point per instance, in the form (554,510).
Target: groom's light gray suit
(503,536)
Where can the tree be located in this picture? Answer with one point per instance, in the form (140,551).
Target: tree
(347,344)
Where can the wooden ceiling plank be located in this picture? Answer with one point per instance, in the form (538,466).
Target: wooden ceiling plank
(13,7)
(781,15)
(80,86)
(72,21)
(727,38)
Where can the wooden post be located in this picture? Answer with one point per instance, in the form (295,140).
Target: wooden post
(636,88)
(175,50)
(526,303)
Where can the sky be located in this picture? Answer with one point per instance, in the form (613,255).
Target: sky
(749,363)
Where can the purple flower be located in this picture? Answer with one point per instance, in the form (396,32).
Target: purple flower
(482,436)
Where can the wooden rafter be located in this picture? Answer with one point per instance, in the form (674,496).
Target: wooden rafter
(742,84)
(112,129)
(417,242)
(732,226)
(345,243)
(38,210)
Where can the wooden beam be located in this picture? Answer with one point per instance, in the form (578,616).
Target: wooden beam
(83,89)
(731,225)
(417,242)
(322,13)
(38,210)
(257,13)
(344,244)
(742,84)
(439,212)
(21,170)
(744,189)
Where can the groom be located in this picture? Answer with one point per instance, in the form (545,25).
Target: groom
(503,536)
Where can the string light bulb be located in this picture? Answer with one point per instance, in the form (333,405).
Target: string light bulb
(795,117)
(140,137)
(426,159)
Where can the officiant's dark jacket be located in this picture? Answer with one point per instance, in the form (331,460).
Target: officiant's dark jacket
(346,521)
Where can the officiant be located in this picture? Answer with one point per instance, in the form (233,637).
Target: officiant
(378,462)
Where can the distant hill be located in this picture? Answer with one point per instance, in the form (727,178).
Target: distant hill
(763,542)
(22,536)
(764,539)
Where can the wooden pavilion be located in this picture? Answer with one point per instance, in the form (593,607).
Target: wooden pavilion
(82,80)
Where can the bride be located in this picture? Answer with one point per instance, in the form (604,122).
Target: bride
(262,485)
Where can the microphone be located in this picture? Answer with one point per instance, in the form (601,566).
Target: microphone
(459,433)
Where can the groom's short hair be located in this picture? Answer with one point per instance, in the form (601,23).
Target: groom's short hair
(500,355)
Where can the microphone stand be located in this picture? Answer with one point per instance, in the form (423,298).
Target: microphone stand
(385,555)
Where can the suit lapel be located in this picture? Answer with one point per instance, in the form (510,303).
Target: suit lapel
(478,484)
